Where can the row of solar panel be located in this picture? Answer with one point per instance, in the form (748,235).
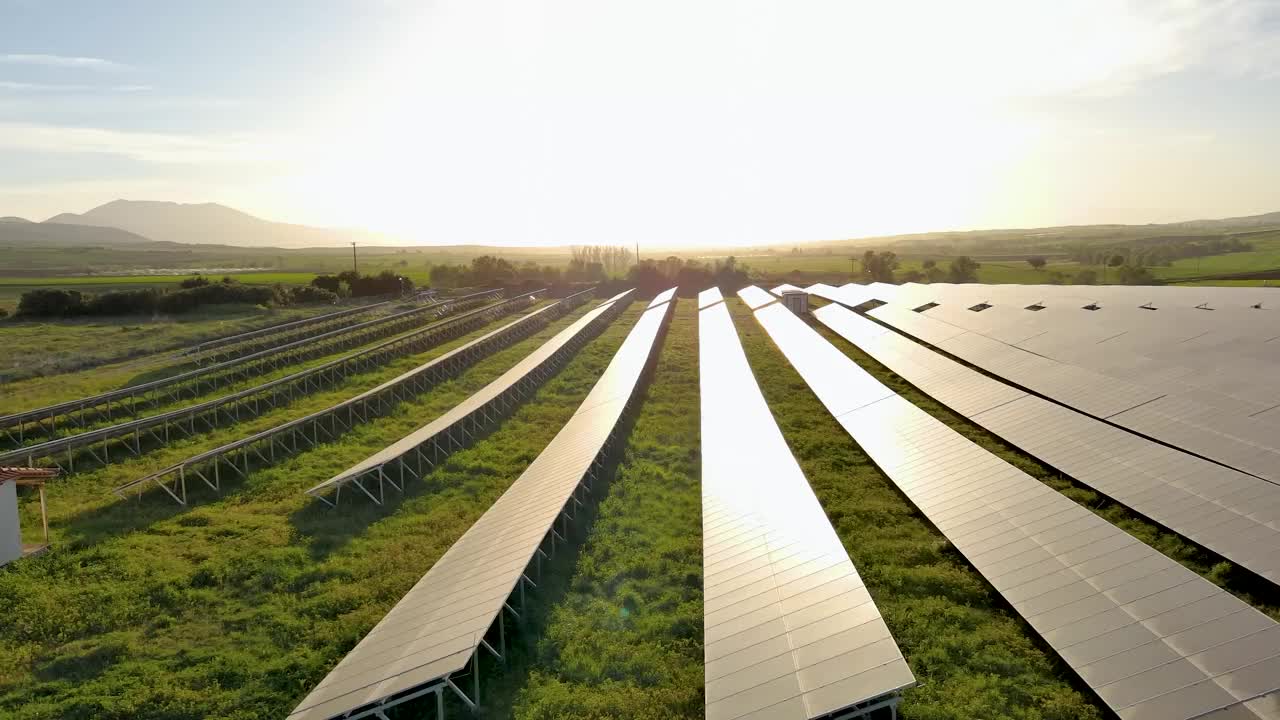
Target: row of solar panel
(439,628)
(790,628)
(1153,639)
(601,314)
(1198,383)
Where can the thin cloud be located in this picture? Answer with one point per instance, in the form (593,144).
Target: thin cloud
(46,87)
(62,61)
(155,148)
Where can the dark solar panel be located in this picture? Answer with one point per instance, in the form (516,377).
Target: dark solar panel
(1090,590)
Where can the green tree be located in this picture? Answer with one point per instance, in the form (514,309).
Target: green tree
(1085,277)
(964,269)
(1038,262)
(879,266)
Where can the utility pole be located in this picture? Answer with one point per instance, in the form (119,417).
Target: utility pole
(637,252)
(354,267)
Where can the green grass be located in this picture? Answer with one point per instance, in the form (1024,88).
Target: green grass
(625,640)
(235,608)
(38,349)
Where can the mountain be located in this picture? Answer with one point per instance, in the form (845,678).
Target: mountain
(16,232)
(13,219)
(208,224)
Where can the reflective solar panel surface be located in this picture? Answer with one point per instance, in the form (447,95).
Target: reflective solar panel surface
(1227,416)
(710,296)
(662,297)
(755,297)
(1234,514)
(469,405)
(790,629)
(1154,640)
(439,623)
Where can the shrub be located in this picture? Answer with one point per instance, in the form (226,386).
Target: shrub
(123,302)
(331,283)
(194,282)
(309,294)
(50,302)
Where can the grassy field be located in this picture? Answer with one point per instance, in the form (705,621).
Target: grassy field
(34,349)
(235,608)
(625,639)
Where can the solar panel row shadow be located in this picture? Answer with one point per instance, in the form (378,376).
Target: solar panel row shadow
(791,631)
(1152,639)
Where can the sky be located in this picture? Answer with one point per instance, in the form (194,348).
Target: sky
(713,122)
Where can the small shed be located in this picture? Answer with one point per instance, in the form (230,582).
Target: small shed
(797,301)
(11,545)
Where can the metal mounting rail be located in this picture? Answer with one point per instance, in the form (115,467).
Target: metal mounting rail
(340,318)
(44,422)
(431,642)
(325,425)
(415,454)
(237,406)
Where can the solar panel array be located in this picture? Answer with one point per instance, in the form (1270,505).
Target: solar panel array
(426,446)
(440,626)
(1154,640)
(328,424)
(1232,513)
(198,417)
(1201,377)
(791,631)
(128,401)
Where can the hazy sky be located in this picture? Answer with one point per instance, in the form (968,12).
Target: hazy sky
(698,121)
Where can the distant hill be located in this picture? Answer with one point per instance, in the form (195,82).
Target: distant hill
(1264,220)
(208,224)
(12,219)
(16,232)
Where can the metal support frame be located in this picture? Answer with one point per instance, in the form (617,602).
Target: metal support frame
(362,409)
(197,382)
(232,408)
(610,449)
(469,427)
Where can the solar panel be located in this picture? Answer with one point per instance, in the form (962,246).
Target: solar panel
(662,297)
(791,631)
(786,287)
(1198,421)
(708,297)
(439,628)
(1233,514)
(756,297)
(435,439)
(1151,638)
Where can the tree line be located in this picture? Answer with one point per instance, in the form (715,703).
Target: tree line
(191,294)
